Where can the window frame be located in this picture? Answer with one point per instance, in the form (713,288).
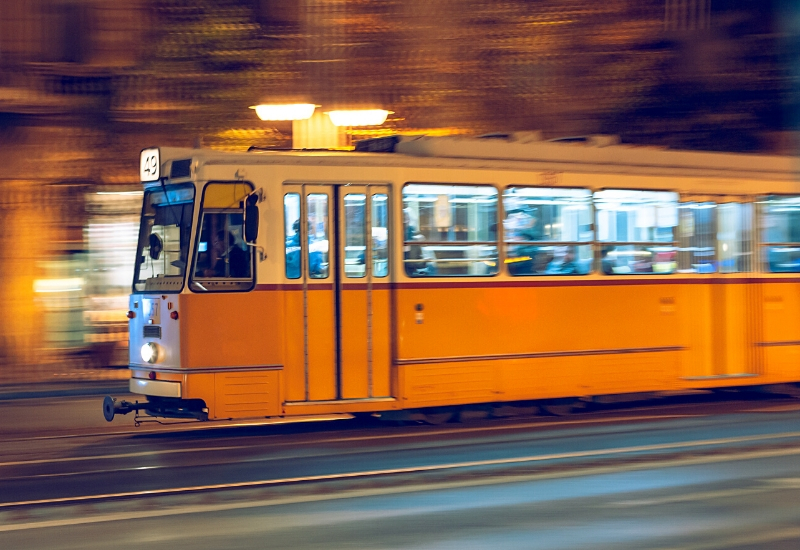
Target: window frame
(496,243)
(590,243)
(299,236)
(365,233)
(330,233)
(137,267)
(719,201)
(198,229)
(601,245)
(387,193)
(759,242)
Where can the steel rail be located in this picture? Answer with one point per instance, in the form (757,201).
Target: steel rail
(515,461)
(346,439)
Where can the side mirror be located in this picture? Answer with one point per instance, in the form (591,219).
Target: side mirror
(156,246)
(251,219)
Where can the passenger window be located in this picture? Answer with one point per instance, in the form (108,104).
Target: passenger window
(735,237)
(449,230)
(291,228)
(355,238)
(697,239)
(636,230)
(714,237)
(545,230)
(780,234)
(318,244)
(223,259)
(380,235)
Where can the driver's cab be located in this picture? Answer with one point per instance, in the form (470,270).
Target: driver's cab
(195,237)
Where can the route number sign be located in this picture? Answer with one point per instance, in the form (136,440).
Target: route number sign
(150,165)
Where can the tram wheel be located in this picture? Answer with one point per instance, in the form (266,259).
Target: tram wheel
(438,417)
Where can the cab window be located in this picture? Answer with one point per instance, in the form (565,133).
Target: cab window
(164,235)
(223,260)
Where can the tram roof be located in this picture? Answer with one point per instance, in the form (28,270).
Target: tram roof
(517,152)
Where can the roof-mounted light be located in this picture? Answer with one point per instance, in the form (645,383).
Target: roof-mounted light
(294,111)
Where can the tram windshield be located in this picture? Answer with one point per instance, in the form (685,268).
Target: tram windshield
(164,235)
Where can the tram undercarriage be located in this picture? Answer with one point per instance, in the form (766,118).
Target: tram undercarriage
(157,407)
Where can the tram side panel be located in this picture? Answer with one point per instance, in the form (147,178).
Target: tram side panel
(235,343)
(694,311)
(742,332)
(294,359)
(721,320)
(499,343)
(781,331)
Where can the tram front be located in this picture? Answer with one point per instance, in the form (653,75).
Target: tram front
(162,259)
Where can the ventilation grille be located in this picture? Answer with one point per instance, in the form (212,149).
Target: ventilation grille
(152,331)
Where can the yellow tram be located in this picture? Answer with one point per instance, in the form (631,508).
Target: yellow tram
(424,272)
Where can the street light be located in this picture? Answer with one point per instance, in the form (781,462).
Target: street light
(364,117)
(293,111)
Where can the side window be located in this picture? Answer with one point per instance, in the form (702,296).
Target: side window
(291,229)
(355,235)
(380,235)
(735,237)
(318,244)
(548,231)
(714,237)
(780,234)
(636,231)
(449,230)
(697,237)
(223,259)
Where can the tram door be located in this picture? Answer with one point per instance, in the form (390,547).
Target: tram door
(346,296)
(725,314)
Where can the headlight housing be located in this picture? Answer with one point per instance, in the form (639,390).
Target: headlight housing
(151,352)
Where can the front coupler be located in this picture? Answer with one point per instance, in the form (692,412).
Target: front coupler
(112,407)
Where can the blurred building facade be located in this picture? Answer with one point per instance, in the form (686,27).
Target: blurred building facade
(85,84)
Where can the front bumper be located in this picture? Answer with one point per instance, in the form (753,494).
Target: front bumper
(158,388)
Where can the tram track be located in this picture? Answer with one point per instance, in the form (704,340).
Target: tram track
(333,458)
(490,471)
(184,427)
(451,431)
(628,414)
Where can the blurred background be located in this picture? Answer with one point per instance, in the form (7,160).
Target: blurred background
(86,84)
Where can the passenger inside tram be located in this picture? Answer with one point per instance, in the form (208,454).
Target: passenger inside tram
(607,261)
(522,225)
(564,265)
(317,252)
(413,254)
(293,252)
(541,260)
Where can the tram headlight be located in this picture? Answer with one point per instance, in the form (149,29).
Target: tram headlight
(150,352)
